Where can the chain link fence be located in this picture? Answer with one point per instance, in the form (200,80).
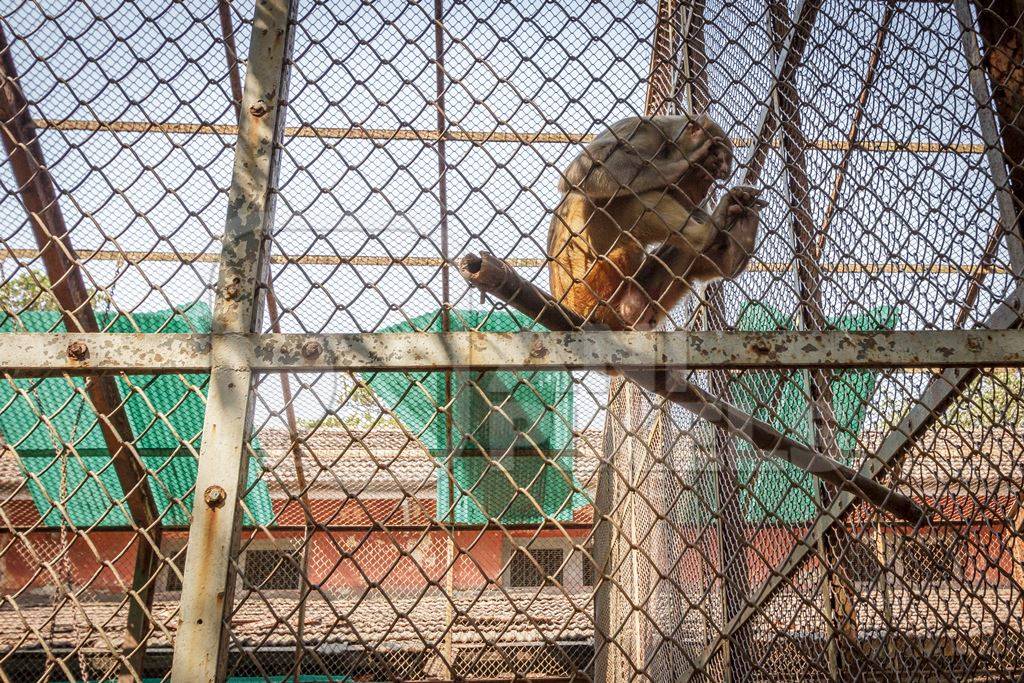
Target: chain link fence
(305,447)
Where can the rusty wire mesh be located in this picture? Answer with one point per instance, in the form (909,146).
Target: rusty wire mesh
(441,525)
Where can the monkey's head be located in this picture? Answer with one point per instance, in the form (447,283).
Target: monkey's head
(717,162)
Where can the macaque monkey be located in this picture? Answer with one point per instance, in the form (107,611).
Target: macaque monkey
(640,184)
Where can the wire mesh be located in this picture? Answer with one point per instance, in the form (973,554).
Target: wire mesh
(474,523)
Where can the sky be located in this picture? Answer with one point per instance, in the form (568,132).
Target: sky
(554,67)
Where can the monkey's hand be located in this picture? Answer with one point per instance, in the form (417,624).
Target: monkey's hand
(713,159)
(739,203)
(737,218)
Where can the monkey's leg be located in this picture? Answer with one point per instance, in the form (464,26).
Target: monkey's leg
(659,284)
(608,290)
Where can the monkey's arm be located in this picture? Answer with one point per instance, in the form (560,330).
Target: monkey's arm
(703,249)
(736,220)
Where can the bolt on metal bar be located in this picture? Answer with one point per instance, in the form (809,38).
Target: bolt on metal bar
(200,652)
(61,263)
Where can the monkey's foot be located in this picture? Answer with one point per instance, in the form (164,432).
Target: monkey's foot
(632,309)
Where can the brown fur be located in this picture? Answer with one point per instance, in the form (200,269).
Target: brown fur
(637,185)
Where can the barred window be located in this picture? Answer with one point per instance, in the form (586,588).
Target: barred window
(930,559)
(523,572)
(173,583)
(272,569)
(589,570)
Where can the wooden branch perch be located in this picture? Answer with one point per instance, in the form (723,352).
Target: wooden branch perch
(493,276)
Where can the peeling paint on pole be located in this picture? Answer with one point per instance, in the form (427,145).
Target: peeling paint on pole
(208,588)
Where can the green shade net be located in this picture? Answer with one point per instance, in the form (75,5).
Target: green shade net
(777,491)
(508,430)
(165,412)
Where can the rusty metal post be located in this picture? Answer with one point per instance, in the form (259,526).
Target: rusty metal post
(61,262)
(227,29)
(447,656)
(1008,226)
(1001,25)
(200,650)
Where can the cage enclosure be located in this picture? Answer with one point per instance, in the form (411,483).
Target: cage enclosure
(258,425)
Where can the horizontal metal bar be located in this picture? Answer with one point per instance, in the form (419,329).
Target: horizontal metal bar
(28,355)
(382,527)
(136,257)
(35,354)
(456,134)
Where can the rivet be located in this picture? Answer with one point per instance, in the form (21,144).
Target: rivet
(259,109)
(78,350)
(215,496)
(312,349)
(232,290)
(760,347)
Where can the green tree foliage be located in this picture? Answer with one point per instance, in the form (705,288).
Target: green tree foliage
(358,409)
(30,290)
(996,399)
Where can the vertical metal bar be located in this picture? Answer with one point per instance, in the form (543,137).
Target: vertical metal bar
(870,73)
(990,136)
(227,31)
(39,196)
(200,650)
(446,326)
(837,603)
(235,77)
(295,450)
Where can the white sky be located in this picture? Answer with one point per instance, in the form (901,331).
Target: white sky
(527,66)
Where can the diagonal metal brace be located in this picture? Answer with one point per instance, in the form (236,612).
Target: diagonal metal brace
(940,393)
(493,276)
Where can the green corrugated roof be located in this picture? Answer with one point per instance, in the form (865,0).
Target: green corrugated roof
(484,439)
(780,491)
(165,412)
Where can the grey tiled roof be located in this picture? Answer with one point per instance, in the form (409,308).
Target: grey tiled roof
(494,618)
